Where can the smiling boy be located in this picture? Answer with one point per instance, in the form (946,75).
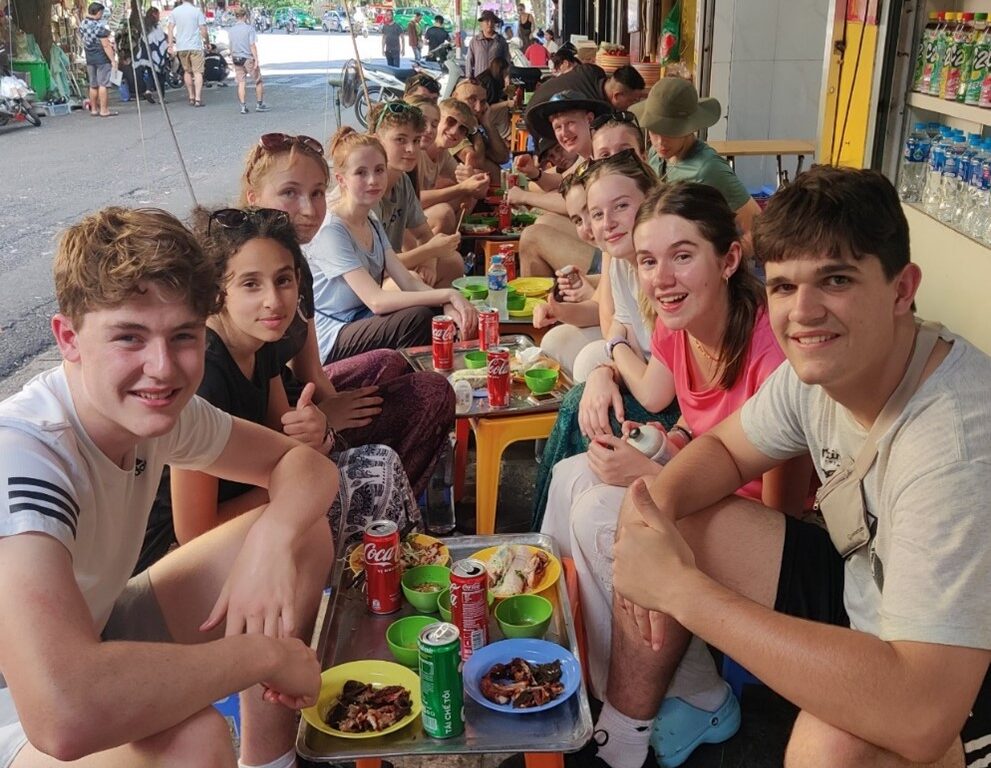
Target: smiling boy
(106,671)
(885,650)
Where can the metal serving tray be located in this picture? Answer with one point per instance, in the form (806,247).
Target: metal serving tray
(520,399)
(346,631)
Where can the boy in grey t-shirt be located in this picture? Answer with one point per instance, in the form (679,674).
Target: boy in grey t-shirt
(885,652)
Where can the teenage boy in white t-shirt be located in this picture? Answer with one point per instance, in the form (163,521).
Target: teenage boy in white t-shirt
(886,651)
(101,670)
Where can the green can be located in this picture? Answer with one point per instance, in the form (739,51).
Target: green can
(441,687)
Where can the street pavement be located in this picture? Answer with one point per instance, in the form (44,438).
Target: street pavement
(52,176)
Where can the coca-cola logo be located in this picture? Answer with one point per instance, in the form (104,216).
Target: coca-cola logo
(381,555)
(498,366)
(443,333)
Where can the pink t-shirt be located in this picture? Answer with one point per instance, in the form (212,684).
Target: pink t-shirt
(702,409)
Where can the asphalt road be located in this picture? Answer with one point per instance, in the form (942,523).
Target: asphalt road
(52,176)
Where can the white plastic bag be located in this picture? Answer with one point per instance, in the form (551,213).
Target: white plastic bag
(13,88)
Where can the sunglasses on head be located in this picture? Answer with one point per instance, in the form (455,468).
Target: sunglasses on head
(424,81)
(279,142)
(238,218)
(396,108)
(625,117)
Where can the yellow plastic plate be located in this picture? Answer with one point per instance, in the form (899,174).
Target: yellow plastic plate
(551,575)
(379,674)
(533,286)
(443,558)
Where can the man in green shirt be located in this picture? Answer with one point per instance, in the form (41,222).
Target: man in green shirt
(671,114)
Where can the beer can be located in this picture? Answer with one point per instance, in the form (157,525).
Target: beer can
(470,604)
(442,337)
(441,686)
(488,328)
(381,556)
(498,378)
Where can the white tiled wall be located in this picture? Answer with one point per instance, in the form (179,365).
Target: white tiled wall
(766,72)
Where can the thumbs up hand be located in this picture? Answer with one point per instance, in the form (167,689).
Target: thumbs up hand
(306,422)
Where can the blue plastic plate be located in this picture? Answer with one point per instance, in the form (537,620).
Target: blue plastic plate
(536,651)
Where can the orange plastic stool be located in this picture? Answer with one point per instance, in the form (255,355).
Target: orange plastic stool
(491,438)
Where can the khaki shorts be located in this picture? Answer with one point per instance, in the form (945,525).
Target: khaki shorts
(192,61)
(136,616)
(248,69)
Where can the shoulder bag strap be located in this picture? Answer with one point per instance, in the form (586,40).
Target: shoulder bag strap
(925,341)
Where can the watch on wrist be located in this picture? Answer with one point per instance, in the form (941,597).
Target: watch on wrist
(685,432)
(613,343)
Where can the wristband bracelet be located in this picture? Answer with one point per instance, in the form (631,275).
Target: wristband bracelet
(683,431)
(540,172)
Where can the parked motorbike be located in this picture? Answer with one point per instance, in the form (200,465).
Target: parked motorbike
(17,101)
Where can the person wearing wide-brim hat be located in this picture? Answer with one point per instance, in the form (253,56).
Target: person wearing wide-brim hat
(487,45)
(671,114)
(538,118)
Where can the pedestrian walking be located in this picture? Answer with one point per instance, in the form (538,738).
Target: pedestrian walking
(244,54)
(188,38)
(414,37)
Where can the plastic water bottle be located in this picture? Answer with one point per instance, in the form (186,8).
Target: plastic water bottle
(439,517)
(912,177)
(931,192)
(463,396)
(948,186)
(498,287)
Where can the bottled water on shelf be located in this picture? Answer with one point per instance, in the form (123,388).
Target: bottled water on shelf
(948,187)
(912,177)
(931,191)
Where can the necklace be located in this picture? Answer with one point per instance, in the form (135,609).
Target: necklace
(703,350)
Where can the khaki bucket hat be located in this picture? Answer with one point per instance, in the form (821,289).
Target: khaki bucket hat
(673,108)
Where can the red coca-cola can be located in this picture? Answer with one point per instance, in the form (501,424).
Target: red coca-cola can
(381,557)
(498,381)
(508,260)
(442,336)
(488,328)
(470,604)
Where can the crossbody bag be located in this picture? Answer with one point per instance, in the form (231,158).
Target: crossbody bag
(841,498)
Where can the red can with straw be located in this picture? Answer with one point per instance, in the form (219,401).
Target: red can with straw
(442,337)
(488,328)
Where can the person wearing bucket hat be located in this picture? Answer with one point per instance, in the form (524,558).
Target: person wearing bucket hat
(488,44)
(671,114)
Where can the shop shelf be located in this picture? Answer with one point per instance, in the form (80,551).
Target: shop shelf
(950,108)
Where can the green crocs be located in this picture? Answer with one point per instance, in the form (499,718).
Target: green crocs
(679,728)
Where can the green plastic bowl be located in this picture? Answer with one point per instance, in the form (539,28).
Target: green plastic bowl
(475,292)
(425,602)
(444,603)
(540,380)
(402,635)
(476,359)
(515,303)
(489,221)
(523,219)
(524,615)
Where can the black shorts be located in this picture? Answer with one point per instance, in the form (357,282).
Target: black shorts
(810,586)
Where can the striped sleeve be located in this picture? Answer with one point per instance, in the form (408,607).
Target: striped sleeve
(36,492)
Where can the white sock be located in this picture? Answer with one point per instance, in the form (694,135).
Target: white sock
(627,739)
(288,760)
(696,680)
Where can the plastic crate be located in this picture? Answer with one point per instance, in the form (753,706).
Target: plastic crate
(56,110)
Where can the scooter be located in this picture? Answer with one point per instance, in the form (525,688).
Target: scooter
(447,71)
(17,101)
(291,26)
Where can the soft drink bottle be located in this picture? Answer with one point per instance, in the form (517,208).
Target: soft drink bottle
(927,46)
(943,35)
(912,176)
(959,58)
(505,214)
(498,287)
(981,65)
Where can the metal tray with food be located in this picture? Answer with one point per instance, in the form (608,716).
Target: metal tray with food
(521,400)
(347,632)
